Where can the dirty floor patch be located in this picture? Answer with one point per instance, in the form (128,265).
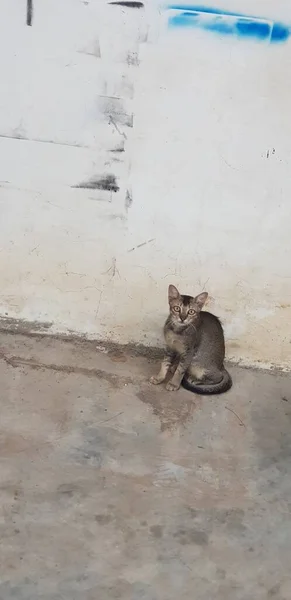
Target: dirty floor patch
(113,489)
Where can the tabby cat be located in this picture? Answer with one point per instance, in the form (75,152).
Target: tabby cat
(195,347)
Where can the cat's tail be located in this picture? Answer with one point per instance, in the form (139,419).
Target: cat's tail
(208,388)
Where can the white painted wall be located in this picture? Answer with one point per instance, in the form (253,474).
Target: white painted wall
(204,181)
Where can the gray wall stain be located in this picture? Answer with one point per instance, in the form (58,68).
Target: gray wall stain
(105,182)
(128,4)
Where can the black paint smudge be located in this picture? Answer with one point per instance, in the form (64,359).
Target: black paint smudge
(128,199)
(129,4)
(118,149)
(113,109)
(142,244)
(106,182)
(132,60)
(29,13)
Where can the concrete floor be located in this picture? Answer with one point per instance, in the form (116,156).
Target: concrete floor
(111,488)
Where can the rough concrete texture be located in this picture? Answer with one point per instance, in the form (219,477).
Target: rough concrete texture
(113,489)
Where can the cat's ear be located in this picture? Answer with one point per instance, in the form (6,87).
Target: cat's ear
(173,293)
(201,299)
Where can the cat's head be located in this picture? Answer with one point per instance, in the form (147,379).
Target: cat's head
(184,310)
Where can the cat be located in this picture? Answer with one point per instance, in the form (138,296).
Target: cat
(195,347)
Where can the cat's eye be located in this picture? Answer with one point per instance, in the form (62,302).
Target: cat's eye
(191,311)
(177,308)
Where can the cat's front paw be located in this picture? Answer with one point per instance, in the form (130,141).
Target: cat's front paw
(155,380)
(172,387)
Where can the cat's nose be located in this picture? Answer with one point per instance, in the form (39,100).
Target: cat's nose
(182,317)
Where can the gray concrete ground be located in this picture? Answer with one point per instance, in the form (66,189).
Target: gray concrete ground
(113,489)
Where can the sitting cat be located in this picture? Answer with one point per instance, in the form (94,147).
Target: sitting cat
(195,347)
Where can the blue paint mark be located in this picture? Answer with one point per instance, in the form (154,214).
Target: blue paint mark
(280,33)
(203,9)
(228,23)
(252,28)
